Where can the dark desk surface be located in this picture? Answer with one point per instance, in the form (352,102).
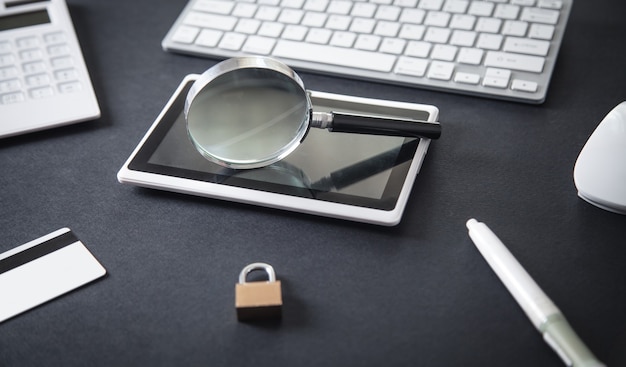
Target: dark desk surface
(418,294)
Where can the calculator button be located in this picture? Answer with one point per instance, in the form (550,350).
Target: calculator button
(58,50)
(54,37)
(38,80)
(9,85)
(27,42)
(65,74)
(41,92)
(31,54)
(5,46)
(8,72)
(70,87)
(61,61)
(12,98)
(6,59)
(33,67)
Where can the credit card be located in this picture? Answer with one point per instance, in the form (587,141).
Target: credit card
(43,269)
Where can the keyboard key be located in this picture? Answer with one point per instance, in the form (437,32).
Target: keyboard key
(550,4)
(367,42)
(437,18)
(259,45)
(481,8)
(412,32)
(511,61)
(209,38)
(338,22)
(271,29)
(463,38)
(314,19)
(444,52)
(232,41)
(431,4)
(316,5)
(291,16)
(387,29)
(413,16)
(297,4)
(515,28)
(319,35)
(244,10)
(248,26)
(506,11)
(524,85)
(392,46)
(365,10)
(185,34)
(526,46)
(339,7)
(343,39)
(295,32)
(456,6)
(497,78)
(538,15)
(361,25)
(390,13)
(269,13)
(462,21)
(411,66)
(541,31)
(467,78)
(440,70)
(418,49)
(334,55)
(488,25)
(471,56)
(437,35)
(214,6)
(215,21)
(489,41)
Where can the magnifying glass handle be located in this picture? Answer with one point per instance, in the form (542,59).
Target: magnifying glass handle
(374,125)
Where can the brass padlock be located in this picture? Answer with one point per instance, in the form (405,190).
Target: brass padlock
(261,299)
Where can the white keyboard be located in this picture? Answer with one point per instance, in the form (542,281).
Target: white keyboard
(502,49)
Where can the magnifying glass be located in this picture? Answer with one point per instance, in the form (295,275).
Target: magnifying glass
(250,112)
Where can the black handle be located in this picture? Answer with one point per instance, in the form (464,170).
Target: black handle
(363,124)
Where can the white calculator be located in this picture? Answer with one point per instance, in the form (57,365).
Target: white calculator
(43,77)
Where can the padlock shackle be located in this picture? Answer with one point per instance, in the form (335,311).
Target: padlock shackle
(271,275)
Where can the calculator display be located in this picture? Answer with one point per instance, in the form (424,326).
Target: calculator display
(24,20)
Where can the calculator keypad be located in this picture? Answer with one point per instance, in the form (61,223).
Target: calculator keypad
(35,67)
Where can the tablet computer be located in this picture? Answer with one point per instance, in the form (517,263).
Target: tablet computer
(355,177)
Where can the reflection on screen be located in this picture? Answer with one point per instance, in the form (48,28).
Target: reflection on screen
(351,164)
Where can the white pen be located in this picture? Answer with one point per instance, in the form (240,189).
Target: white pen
(546,317)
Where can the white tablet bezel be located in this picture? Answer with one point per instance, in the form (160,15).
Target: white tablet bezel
(284,201)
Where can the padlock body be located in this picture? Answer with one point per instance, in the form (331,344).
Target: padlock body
(258,300)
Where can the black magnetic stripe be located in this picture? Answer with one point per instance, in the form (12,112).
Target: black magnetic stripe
(37,251)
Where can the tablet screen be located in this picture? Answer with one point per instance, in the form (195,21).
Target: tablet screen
(353,169)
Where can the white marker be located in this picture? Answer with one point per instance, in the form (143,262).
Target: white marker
(546,317)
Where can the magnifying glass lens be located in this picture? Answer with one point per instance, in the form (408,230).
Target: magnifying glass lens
(249,117)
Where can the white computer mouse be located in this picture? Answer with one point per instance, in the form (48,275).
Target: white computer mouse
(600,170)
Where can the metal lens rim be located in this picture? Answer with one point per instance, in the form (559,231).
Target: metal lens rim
(232,65)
